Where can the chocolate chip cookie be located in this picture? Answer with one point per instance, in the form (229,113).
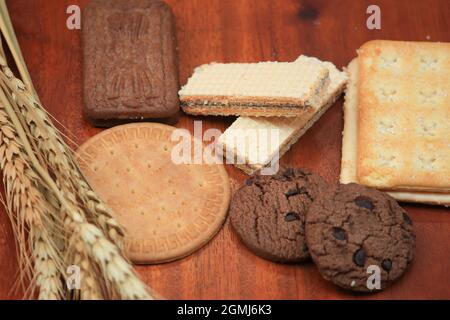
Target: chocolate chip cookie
(357,232)
(268,213)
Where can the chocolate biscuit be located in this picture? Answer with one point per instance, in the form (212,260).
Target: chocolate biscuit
(129,61)
(356,231)
(268,213)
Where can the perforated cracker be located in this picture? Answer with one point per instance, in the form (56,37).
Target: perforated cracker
(404,116)
(258,89)
(350,152)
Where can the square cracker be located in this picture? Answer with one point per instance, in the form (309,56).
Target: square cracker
(349,146)
(404,116)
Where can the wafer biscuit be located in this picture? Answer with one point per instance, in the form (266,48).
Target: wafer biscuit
(349,146)
(256,89)
(404,116)
(253,151)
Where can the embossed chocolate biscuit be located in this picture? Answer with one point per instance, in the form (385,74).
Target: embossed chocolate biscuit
(354,233)
(129,61)
(168,210)
(268,213)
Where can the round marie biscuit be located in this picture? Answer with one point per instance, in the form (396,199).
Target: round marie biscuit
(168,210)
(356,230)
(268,213)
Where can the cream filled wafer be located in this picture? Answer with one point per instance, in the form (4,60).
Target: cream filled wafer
(256,89)
(253,141)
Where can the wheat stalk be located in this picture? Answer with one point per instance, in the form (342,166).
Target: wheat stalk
(58,156)
(26,207)
(101,214)
(111,262)
(91,235)
(100,249)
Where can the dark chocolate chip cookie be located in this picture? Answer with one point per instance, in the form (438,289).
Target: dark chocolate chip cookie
(355,233)
(268,213)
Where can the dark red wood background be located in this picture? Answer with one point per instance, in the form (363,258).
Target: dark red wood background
(246,31)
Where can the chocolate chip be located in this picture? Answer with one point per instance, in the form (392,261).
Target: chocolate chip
(249,182)
(386,264)
(406,218)
(364,202)
(359,257)
(339,233)
(291,216)
(292,192)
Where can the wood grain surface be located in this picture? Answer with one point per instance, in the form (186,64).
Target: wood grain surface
(245,31)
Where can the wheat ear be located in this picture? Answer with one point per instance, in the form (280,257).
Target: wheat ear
(59,158)
(100,249)
(91,289)
(29,117)
(27,208)
(39,119)
(48,275)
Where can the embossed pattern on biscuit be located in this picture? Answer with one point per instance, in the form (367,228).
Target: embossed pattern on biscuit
(129,60)
(130,80)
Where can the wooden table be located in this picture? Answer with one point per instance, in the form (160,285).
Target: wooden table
(246,31)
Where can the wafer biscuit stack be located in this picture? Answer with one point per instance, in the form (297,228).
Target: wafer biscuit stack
(253,154)
(277,102)
(397,120)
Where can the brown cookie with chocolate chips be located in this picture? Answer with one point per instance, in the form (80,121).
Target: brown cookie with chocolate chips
(268,213)
(357,232)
